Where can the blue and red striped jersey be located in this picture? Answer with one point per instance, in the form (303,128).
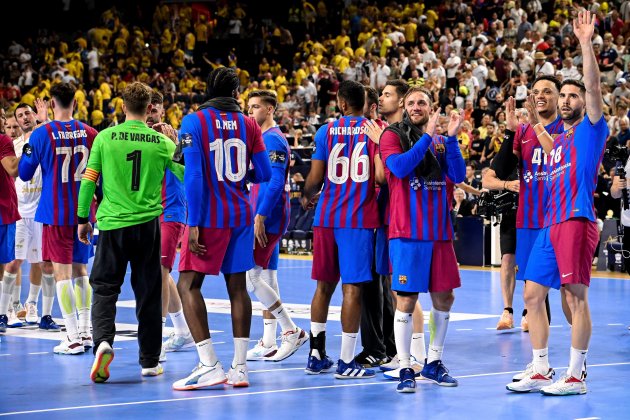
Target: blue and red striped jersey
(348,199)
(271,199)
(419,209)
(8,196)
(573,167)
(218,148)
(62,149)
(533,193)
(173,199)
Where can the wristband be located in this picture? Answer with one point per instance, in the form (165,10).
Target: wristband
(82,220)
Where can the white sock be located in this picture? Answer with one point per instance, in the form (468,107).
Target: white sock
(348,345)
(8,283)
(403,328)
(33,293)
(286,323)
(576,362)
(240,351)
(163,325)
(17,292)
(269,332)
(67,304)
(541,361)
(207,356)
(316,328)
(179,322)
(418,351)
(48,293)
(438,324)
(83,293)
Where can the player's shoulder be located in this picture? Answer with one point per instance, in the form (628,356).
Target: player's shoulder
(5,140)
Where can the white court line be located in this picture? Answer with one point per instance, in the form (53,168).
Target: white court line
(613,325)
(40,352)
(589,418)
(464,329)
(272,391)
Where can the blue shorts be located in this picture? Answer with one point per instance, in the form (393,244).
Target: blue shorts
(273,262)
(383,266)
(525,239)
(342,252)
(544,267)
(7,243)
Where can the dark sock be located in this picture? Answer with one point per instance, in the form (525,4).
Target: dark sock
(524,312)
(510,310)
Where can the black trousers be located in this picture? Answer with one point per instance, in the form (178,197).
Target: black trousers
(626,247)
(377,317)
(138,245)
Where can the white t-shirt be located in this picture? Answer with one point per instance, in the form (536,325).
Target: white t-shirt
(28,193)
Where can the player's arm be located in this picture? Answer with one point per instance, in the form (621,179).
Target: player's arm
(402,164)
(468,188)
(278,162)
(583,28)
(88,182)
(8,160)
(315,178)
(171,162)
(491,181)
(455,163)
(193,176)
(505,161)
(379,170)
(262,168)
(29,161)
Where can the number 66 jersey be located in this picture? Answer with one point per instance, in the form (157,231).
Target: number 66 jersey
(62,149)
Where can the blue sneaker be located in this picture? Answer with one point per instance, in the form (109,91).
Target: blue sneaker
(316,366)
(3,323)
(437,373)
(407,382)
(48,324)
(352,370)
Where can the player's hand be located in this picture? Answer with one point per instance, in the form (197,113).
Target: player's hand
(584,26)
(433,121)
(511,119)
(167,130)
(373,131)
(454,122)
(619,183)
(530,106)
(259,230)
(513,186)
(41,106)
(84,232)
(193,241)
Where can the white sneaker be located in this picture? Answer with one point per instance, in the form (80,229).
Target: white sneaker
(202,377)
(154,371)
(529,370)
(238,376)
(566,385)
(395,373)
(162,354)
(13,320)
(291,342)
(102,359)
(391,365)
(69,347)
(19,309)
(532,383)
(86,340)
(31,313)
(176,342)
(260,352)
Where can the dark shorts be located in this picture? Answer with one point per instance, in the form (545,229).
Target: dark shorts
(61,245)
(171,235)
(507,233)
(262,256)
(342,252)
(7,243)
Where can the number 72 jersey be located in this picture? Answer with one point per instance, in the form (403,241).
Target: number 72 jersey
(62,149)
(348,199)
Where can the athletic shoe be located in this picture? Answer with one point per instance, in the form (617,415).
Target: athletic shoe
(19,309)
(154,371)
(69,347)
(437,373)
(102,359)
(395,374)
(506,322)
(566,385)
(162,354)
(367,360)
(176,342)
(202,377)
(407,382)
(86,339)
(533,382)
(315,366)
(238,376)
(393,364)
(529,371)
(3,323)
(260,352)
(31,313)
(48,324)
(12,320)
(352,370)
(524,324)
(291,342)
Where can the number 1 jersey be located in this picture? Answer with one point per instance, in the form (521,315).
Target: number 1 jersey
(62,149)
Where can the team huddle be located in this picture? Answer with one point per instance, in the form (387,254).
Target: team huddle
(382,193)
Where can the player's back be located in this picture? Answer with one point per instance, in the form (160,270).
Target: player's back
(348,198)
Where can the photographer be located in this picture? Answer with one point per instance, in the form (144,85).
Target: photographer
(619,185)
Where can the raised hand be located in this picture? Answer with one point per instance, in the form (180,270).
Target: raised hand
(433,121)
(454,122)
(511,119)
(530,106)
(373,131)
(584,26)
(41,106)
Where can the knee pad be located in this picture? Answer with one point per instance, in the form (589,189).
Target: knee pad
(252,277)
(271,278)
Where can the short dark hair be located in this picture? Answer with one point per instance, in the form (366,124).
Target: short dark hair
(157,98)
(552,79)
(371,95)
(401,86)
(63,93)
(222,82)
(573,82)
(137,96)
(23,105)
(353,93)
(267,96)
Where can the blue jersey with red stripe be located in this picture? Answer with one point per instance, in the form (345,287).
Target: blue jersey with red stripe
(62,149)
(271,199)
(533,193)
(420,209)
(219,145)
(173,199)
(348,199)
(573,167)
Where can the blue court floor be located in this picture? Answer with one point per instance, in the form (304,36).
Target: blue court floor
(36,383)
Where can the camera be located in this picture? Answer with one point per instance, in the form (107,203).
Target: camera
(493,204)
(619,154)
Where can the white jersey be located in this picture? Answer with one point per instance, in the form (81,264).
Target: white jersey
(28,193)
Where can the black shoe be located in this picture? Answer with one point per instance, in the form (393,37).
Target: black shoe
(367,360)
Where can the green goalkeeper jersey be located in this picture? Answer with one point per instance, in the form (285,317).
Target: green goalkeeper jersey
(131,159)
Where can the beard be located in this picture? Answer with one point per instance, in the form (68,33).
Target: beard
(570,115)
(419,120)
